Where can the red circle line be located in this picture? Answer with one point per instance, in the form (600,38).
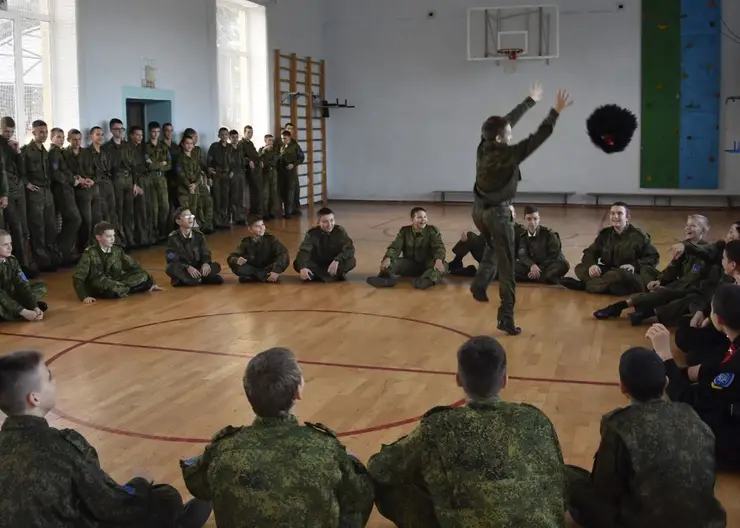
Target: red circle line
(99,340)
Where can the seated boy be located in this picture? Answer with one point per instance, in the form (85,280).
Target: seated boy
(277,472)
(489,463)
(327,253)
(52,477)
(105,270)
(621,261)
(260,257)
(710,387)
(670,295)
(539,252)
(188,257)
(19,298)
(417,251)
(655,465)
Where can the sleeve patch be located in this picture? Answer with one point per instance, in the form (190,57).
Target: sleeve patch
(129,490)
(696,268)
(171,256)
(722,381)
(191,461)
(23,276)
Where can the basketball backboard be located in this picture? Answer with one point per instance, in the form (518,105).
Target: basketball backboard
(532,28)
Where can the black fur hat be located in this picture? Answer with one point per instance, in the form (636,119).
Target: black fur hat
(611,128)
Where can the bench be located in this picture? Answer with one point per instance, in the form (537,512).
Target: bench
(563,196)
(669,195)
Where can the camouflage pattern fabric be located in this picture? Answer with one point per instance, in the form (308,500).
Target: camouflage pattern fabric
(108,275)
(16,292)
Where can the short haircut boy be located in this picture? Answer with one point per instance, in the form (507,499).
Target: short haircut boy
(324,211)
(417,210)
(531,209)
(102,227)
(642,373)
(481,367)
(18,377)
(271,382)
(726,305)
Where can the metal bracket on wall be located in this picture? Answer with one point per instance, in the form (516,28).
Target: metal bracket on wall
(327,104)
(288,97)
(732,99)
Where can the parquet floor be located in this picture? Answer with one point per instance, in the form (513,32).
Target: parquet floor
(150,378)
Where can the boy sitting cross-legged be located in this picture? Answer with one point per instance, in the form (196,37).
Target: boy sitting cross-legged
(188,256)
(106,271)
(18,297)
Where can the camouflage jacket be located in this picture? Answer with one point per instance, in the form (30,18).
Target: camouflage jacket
(321,248)
(542,247)
(60,171)
(10,164)
(423,246)
(138,160)
(3,174)
(491,463)
(52,478)
(157,157)
(655,466)
(497,173)
(612,250)
(265,252)
(686,272)
(279,473)
(15,294)
(188,171)
(224,159)
(79,164)
(191,251)
(269,158)
(34,163)
(120,157)
(290,154)
(95,264)
(249,152)
(100,166)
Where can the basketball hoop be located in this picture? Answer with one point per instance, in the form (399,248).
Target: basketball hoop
(511,54)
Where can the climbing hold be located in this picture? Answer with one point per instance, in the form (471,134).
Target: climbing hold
(649,177)
(710,66)
(662,27)
(689,138)
(684,75)
(711,159)
(712,23)
(711,3)
(689,45)
(675,130)
(660,86)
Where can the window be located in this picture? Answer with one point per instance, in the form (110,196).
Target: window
(242,65)
(28,90)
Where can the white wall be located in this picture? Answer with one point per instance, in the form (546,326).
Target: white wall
(114,36)
(420,103)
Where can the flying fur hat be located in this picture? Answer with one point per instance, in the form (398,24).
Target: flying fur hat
(611,128)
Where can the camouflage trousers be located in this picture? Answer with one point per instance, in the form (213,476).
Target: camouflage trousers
(204,214)
(108,288)
(12,302)
(616,281)
(239,196)
(42,227)
(270,195)
(551,271)
(252,273)
(179,275)
(65,204)
(159,207)
(474,244)
(584,504)
(321,273)
(221,193)
(258,192)
(16,223)
(88,204)
(143,221)
(668,305)
(496,226)
(406,506)
(123,188)
(410,268)
(107,194)
(191,201)
(289,186)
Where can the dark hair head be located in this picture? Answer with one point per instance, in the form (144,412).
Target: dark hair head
(253,219)
(38,123)
(167,125)
(268,136)
(481,366)
(102,227)
(114,121)
(179,211)
(73,132)
(726,305)
(56,130)
(17,379)
(189,132)
(7,122)
(93,129)
(153,125)
(134,129)
(285,133)
(223,129)
(416,210)
(530,209)
(732,251)
(642,373)
(324,211)
(233,132)
(289,124)
(621,204)
(248,127)
(494,127)
(271,381)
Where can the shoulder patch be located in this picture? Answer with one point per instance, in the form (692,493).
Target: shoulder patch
(722,381)
(22,276)
(436,410)
(173,233)
(696,268)
(321,428)
(77,440)
(227,431)
(611,414)
(171,255)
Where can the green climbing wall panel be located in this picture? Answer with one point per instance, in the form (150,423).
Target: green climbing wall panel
(661,88)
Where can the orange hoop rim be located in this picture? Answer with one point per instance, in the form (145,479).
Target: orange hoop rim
(511,53)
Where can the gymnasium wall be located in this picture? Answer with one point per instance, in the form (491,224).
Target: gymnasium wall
(180,35)
(420,103)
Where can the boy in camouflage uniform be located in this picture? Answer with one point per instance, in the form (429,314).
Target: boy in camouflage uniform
(107,272)
(270,196)
(417,251)
(63,184)
(327,252)
(188,256)
(158,163)
(260,257)
(18,297)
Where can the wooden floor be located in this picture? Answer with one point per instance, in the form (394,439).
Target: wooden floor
(148,379)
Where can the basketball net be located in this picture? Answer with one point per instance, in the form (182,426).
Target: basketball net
(511,55)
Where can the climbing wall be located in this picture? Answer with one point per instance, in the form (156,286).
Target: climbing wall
(681,43)
(661,86)
(701,40)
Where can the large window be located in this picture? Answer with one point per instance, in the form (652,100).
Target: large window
(242,65)
(29,89)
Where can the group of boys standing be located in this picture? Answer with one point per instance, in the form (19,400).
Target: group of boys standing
(52,199)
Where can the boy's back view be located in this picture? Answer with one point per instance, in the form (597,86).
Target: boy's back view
(277,472)
(655,466)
